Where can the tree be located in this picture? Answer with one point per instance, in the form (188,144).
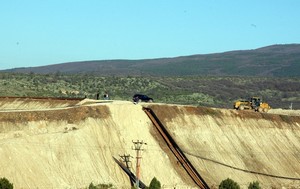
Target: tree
(228,184)
(5,184)
(154,184)
(254,185)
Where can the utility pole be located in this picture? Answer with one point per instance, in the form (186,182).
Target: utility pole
(138,148)
(126,159)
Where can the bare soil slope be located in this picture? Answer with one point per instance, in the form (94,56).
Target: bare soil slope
(11,103)
(242,145)
(50,144)
(70,147)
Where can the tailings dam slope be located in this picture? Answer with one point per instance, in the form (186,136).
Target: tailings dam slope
(242,145)
(56,144)
(69,144)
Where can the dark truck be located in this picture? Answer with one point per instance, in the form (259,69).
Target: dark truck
(141,98)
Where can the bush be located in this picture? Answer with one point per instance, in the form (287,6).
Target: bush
(101,186)
(254,185)
(92,186)
(5,184)
(228,184)
(154,184)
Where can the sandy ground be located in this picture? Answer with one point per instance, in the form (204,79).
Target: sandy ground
(55,144)
(11,104)
(244,146)
(285,112)
(72,147)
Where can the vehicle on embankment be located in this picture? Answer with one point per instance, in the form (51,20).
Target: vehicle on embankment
(254,103)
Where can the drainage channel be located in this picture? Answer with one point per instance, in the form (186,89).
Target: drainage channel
(176,150)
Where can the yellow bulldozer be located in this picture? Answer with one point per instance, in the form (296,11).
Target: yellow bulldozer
(254,103)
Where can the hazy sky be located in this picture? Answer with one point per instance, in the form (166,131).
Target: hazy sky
(43,32)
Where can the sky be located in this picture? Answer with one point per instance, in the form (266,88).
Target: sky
(44,32)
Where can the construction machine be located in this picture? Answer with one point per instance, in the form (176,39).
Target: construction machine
(254,103)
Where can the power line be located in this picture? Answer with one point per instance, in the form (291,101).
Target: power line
(244,170)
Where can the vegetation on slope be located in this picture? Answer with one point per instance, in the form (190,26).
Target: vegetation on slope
(204,91)
(5,184)
(275,60)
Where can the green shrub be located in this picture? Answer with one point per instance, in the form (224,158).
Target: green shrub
(254,185)
(92,186)
(5,184)
(100,186)
(228,184)
(154,184)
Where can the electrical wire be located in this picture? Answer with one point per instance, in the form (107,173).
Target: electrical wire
(240,169)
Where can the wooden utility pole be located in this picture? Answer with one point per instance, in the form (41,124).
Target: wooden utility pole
(138,148)
(126,159)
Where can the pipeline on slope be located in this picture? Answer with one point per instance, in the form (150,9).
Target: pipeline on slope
(176,150)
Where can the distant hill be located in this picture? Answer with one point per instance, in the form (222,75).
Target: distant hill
(275,60)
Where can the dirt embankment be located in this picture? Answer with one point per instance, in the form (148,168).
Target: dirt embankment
(70,145)
(242,145)
(11,103)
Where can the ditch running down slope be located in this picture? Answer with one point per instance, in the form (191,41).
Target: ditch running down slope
(61,144)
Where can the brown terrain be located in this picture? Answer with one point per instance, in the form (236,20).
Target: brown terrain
(59,143)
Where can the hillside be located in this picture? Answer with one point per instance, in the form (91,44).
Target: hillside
(69,144)
(201,90)
(276,60)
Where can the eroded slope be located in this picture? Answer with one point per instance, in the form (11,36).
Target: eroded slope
(245,146)
(11,103)
(49,144)
(72,147)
